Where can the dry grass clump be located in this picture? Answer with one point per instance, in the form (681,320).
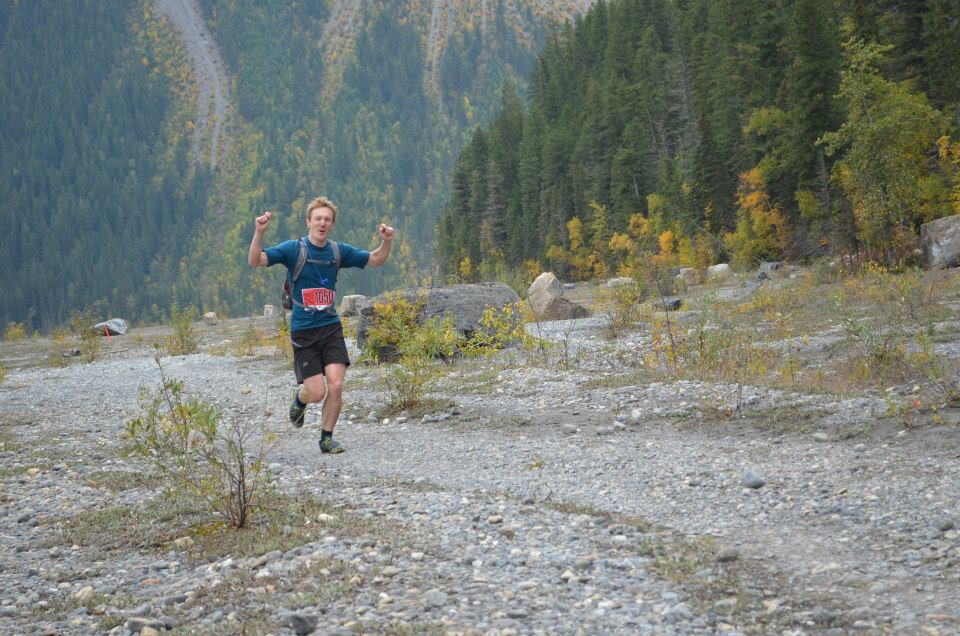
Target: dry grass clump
(868,329)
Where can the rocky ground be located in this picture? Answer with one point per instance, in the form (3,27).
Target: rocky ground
(533,498)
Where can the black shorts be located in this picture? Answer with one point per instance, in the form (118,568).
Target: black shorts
(314,349)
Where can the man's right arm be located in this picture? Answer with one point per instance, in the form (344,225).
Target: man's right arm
(256,257)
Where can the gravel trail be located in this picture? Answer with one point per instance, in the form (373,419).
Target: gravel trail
(533,504)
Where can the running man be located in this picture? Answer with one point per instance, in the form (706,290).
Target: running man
(320,358)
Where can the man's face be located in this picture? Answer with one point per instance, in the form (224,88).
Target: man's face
(320,224)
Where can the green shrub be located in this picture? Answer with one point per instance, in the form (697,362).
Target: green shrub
(184,338)
(408,381)
(201,457)
(89,339)
(3,373)
(501,328)
(392,323)
(623,306)
(15,331)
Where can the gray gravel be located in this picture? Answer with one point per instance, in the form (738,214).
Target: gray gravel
(516,516)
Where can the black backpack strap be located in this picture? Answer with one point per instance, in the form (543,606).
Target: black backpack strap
(336,252)
(301,259)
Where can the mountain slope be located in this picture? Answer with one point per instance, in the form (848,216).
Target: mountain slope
(138,156)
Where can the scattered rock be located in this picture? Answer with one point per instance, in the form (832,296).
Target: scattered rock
(210,318)
(770,267)
(752,479)
(941,242)
(549,307)
(546,282)
(670,303)
(720,271)
(272,311)
(435,598)
(299,622)
(726,554)
(183,543)
(619,282)
(350,305)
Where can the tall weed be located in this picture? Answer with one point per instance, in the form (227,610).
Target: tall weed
(222,465)
(185,338)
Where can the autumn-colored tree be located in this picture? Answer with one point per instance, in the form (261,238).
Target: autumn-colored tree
(761,232)
(887,141)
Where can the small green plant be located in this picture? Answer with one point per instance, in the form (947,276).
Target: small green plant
(281,341)
(202,458)
(90,342)
(184,338)
(538,463)
(15,331)
(500,328)
(623,307)
(60,348)
(250,339)
(3,373)
(407,382)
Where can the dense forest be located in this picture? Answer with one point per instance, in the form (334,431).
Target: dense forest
(96,196)
(104,205)
(688,132)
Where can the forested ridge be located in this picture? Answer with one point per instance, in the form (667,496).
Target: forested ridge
(105,208)
(694,131)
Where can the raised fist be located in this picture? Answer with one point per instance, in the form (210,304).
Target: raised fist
(263,221)
(386,232)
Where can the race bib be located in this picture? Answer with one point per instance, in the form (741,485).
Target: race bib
(317,298)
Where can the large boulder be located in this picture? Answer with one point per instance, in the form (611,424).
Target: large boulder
(465,303)
(670,303)
(620,281)
(546,282)
(549,307)
(769,267)
(350,305)
(688,274)
(719,272)
(272,311)
(941,242)
(210,318)
(112,327)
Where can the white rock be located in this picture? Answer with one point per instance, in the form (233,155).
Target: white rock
(546,282)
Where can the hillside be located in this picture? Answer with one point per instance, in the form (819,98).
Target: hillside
(155,130)
(713,131)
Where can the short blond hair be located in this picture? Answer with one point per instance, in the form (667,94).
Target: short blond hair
(321,202)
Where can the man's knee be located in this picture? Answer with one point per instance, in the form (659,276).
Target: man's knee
(335,386)
(313,389)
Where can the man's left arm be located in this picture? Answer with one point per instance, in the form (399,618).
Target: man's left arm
(379,256)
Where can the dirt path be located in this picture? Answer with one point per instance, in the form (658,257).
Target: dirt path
(207,63)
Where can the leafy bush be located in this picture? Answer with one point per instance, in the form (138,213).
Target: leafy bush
(60,348)
(186,441)
(15,331)
(623,306)
(408,381)
(81,324)
(500,328)
(184,338)
(392,322)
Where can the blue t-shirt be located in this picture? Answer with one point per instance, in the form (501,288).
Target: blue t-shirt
(315,289)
